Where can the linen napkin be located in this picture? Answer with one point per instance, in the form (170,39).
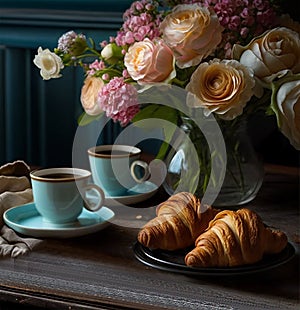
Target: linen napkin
(15,189)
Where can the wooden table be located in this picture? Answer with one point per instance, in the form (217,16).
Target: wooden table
(100,271)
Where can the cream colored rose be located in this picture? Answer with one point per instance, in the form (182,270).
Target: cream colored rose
(150,62)
(272,54)
(49,63)
(89,94)
(192,32)
(286,104)
(223,87)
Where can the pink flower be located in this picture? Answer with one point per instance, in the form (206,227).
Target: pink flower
(235,22)
(248,19)
(95,66)
(141,21)
(244,32)
(260,4)
(103,43)
(119,100)
(105,77)
(125,74)
(138,6)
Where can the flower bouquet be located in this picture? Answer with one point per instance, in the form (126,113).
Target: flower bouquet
(233,58)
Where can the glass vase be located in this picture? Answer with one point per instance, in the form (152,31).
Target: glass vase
(243,169)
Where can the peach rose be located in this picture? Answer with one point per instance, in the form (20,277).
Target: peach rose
(150,62)
(286,105)
(272,54)
(223,87)
(192,32)
(89,94)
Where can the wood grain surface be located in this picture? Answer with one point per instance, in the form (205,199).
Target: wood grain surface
(100,271)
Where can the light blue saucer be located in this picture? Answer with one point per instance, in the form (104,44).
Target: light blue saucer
(138,193)
(26,220)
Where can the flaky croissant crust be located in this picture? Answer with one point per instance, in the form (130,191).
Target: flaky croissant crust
(235,238)
(178,222)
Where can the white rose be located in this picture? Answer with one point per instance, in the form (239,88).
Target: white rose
(272,54)
(49,63)
(286,105)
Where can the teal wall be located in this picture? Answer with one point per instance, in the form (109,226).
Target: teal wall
(82,5)
(38,118)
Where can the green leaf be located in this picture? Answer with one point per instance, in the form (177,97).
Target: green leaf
(166,113)
(168,132)
(160,112)
(85,119)
(145,113)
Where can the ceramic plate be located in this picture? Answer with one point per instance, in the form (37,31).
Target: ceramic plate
(174,261)
(138,193)
(26,220)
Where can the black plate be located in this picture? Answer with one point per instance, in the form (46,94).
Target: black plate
(174,261)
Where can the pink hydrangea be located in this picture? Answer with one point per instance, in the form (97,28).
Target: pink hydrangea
(141,21)
(119,100)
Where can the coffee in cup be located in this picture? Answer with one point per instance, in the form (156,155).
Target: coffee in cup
(117,168)
(60,194)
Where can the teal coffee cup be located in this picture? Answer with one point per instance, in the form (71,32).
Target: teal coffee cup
(60,193)
(117,168)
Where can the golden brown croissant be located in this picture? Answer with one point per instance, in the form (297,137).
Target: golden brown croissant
(235,238)
(178,223)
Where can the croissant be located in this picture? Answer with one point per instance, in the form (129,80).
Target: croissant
(235,238)
(178,222)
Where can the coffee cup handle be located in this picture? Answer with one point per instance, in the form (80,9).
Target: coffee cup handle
(100,201)
(145,167)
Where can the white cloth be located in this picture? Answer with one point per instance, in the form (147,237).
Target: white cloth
(15,189)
